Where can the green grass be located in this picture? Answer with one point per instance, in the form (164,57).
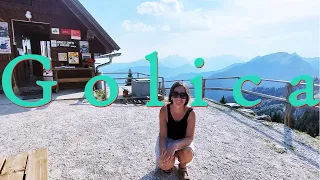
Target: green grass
(101,95)
(266,140)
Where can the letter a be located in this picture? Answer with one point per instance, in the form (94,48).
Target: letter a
(293,98)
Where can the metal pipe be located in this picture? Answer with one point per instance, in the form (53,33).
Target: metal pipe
(104,64)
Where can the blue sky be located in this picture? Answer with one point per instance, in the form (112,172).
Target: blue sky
(208,28)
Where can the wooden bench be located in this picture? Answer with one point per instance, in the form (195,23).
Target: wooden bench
(71,71)
(25,166)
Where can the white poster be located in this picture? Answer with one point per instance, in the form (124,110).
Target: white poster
(49,50)
(4,31)
(5,46)
(62,56)
(55,31)
(47,73)
(53,43)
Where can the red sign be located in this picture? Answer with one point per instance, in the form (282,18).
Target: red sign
(65,31)
(75,34)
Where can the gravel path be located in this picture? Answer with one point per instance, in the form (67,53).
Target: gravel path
(117,142)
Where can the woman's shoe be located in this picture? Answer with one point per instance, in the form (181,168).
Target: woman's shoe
(167,171)
(183,174)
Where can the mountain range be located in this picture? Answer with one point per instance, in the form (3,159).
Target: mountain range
(278,66)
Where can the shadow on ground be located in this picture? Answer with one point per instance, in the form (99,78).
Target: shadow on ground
(282,143)
(158,174)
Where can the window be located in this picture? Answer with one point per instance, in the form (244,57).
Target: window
(22,2)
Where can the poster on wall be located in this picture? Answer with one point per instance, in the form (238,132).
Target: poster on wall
(76,34)
(65,32)
(53,43)
(62,56)
(49,50)
(55,31)
(71,44)
(47,73)
(73,57)
(4,29)
(84,46)
(86,56)
(5,46)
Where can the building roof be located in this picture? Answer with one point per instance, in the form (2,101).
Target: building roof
(80,11)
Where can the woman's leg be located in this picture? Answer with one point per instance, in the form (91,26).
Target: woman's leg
(184,156)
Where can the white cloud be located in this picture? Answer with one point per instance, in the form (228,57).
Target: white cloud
(244,28)
(166,28)
(137,27)
(160,8)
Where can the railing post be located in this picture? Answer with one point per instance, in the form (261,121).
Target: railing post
(137,75)
(163,89)
(203,87)
(159,87)
(105,88)
(288,111)
(288,119)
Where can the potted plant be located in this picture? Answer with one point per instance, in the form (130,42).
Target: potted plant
(89,62)
(125,93)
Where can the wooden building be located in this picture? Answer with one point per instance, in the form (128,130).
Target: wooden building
(62,30)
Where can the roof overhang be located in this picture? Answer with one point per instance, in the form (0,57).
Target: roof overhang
(86,18)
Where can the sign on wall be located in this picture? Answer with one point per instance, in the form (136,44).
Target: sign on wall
(65,31)
(62,56)
(5,45)
(73,57)
(55,31)
(76,34)
(69,44)
(84,46)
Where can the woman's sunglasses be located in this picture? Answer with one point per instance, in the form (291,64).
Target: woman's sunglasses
(182,95)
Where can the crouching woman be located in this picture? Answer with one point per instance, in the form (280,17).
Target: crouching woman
(177,127)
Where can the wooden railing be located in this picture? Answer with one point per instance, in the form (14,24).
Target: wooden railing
(288,106)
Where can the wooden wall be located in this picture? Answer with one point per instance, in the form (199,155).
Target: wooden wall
(54,12)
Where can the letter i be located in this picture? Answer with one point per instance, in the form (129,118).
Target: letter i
(198,84)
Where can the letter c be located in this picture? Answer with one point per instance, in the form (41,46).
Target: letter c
(237,91)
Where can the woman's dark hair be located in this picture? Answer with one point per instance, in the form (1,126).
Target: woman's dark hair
(175,85)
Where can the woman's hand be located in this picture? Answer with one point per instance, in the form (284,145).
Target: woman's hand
(170,151)
(164,160)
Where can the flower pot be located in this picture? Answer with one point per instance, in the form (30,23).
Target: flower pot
(125,93)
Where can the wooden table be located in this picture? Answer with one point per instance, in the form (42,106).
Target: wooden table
(25,166)
(56,71)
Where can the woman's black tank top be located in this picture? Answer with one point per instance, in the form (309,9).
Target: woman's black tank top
(177,129)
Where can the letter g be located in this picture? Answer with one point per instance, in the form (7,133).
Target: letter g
(46,85)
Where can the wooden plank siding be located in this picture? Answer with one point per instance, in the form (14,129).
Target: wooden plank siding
(54,12)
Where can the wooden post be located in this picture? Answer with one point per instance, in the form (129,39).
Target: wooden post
(288,111)
(203,87)
(163,89)
(105,88)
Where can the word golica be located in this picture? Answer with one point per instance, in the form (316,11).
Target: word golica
(154,102)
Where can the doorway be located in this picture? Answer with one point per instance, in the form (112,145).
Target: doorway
(29,37)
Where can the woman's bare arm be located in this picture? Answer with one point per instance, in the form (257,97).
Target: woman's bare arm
(163,128)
